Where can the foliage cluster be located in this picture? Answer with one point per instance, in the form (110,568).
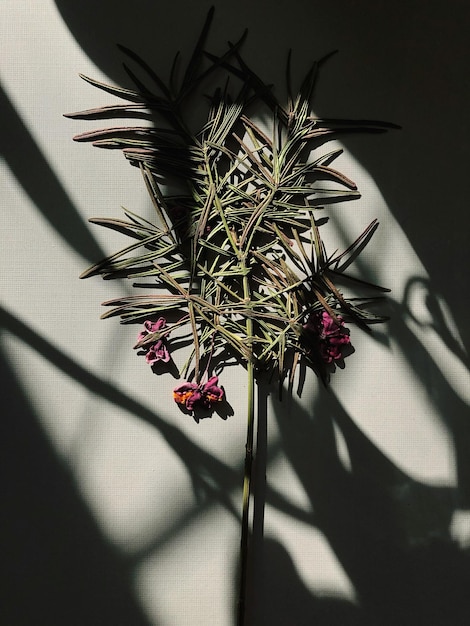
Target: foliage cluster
(236,256)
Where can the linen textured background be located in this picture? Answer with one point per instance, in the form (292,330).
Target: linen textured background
(119,510)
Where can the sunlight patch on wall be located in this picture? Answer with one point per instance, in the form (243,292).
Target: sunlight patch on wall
(310,556)
(191,579)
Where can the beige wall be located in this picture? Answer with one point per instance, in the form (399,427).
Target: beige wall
(119,510)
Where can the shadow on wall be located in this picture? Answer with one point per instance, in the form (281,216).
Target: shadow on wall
(32,171)
(390,533)
(283,598)
(56,566)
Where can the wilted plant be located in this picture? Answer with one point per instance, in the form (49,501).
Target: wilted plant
(236,256)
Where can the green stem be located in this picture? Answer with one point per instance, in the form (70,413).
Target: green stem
(245,534)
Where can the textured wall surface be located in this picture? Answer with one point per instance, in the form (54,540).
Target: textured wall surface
(117,509)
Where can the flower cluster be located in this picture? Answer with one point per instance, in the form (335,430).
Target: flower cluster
(323,334)
(152,343)
(329,335)
(203,396)
(189,395)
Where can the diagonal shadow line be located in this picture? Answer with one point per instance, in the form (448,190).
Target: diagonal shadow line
(404,529)
(453,411)
(401,522)
(199,463)
(220,494)
(57,566)
(389,308)
(439,323)
(31,169)
(420,229)
(175,438)
(389,531)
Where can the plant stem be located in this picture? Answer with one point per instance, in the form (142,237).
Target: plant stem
(245,534)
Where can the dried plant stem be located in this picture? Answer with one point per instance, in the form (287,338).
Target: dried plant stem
(245,531)
(245,534)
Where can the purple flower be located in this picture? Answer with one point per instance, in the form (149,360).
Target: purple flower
(153,345)
(203,396)
(328,334)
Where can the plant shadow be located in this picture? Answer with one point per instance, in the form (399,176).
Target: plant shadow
(57,566)
(41,183)
(53,551)
(389,531)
